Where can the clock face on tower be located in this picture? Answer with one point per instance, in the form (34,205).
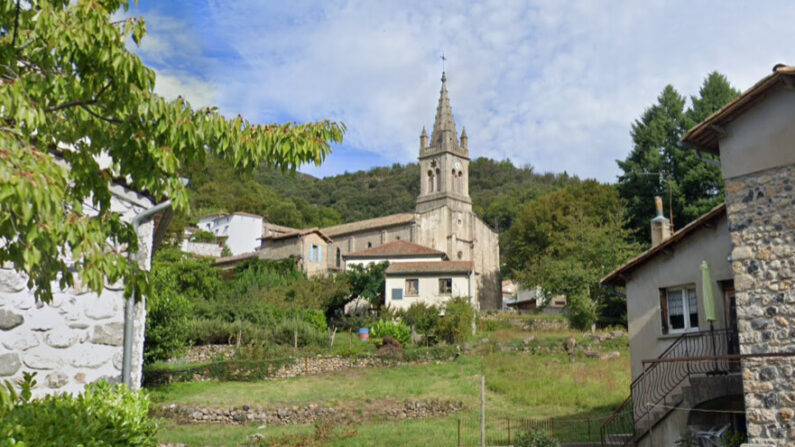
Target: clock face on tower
(457,165)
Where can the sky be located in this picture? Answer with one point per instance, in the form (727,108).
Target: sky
(554,85)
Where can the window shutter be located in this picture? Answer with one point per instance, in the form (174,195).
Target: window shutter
(664,311)
(319,253)
(397,294)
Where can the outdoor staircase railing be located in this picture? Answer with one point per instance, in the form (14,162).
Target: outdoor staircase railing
(664,375)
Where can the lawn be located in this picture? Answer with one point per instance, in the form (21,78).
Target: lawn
(576,390)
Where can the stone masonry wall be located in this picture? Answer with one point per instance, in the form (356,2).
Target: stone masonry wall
(761,209)
(77,338)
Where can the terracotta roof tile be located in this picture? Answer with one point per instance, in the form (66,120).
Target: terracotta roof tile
(235,258)
(706,134)
(378,222)
(396,249)
(297,233)
(430,267)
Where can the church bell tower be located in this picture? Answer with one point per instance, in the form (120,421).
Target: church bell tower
(444,162)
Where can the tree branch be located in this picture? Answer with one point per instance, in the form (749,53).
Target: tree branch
(16,25)
(98,116)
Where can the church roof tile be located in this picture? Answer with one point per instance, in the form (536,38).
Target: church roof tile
(430,267)
(369,224)
(396,249)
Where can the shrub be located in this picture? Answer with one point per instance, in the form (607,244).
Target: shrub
(168,331)
(286,331)
(103,415)
(204,236)
(216,331)
(535,438)
(397,330)
(456,324)
(423,318)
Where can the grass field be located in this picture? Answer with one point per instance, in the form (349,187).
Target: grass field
(578,391)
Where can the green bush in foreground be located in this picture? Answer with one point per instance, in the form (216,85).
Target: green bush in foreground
(396,330)
(535,438)
(101,416)
(456,324)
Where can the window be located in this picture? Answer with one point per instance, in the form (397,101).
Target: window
(445,286)
(412,287)
(438,179)
(315,253)
(339,258)
(397,294)
(369,245)
(431,181)
(679,309)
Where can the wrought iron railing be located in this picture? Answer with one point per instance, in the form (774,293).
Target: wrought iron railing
(619,428)
(663,376)
(660,379)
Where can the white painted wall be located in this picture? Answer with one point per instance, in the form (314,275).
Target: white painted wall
(428,289)
(242,231)
(76,339)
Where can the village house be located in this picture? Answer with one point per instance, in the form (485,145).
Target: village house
(738,371)
(443,219)
(80,337)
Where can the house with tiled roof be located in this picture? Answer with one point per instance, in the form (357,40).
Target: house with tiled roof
(442,221)
(239,231)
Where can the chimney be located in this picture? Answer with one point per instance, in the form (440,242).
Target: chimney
(660,226)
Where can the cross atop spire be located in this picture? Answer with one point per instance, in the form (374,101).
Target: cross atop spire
(444,135)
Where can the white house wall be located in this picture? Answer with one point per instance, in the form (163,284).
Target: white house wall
(428,289)
(76,339)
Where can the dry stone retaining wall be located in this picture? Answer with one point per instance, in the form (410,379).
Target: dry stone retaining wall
(308,414)
(761,209)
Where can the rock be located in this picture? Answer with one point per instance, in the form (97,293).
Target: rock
(528,340)
(90,358)
(101,308)
(56,379)
(80,378)
(610,355)
(9,320)
(592,354)
(9,364)
(618,333)
(61,337)
(21,341)
(571,343)
(11,281)
(42,357)
(111,334)
(46,319)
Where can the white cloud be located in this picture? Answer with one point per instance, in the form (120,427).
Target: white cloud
(553,84)
(197,92)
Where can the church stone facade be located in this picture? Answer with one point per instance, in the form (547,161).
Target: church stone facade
(443,218)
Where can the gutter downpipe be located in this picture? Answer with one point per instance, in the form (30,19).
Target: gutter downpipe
(129,308)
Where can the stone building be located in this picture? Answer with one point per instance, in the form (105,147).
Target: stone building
(78,337)
(748,369)
(442,220)
(755,138)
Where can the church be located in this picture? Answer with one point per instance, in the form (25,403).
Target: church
(442,222)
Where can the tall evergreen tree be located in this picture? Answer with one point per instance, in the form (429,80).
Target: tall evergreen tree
(659,165)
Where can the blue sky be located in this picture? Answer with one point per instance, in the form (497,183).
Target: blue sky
(555,85)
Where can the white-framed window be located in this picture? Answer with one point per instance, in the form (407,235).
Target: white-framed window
(315,253)
(445,286)
(412,287)
(679,309)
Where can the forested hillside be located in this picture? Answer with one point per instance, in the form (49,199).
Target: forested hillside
(497,188)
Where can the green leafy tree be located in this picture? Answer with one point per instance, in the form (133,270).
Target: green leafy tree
(658,165)
(78,110)
(566,241)
(368,282)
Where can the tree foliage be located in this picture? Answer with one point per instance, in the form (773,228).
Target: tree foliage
(658,165)
(566,241)
(368,282)
(78,110)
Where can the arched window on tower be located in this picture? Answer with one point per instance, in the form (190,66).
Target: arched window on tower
(455,181)
(431,182)
(460,180)
(438,179)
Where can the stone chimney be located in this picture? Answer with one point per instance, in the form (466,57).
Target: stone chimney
(660,225)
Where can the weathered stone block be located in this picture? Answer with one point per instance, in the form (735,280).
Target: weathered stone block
(20,341)
(9,364)
(111,334)
(101,308)
(92,357)
(61,337)
(56,379)
(11,281)
(9,320)
(42,357)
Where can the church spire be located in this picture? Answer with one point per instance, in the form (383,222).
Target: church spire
(444,135)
